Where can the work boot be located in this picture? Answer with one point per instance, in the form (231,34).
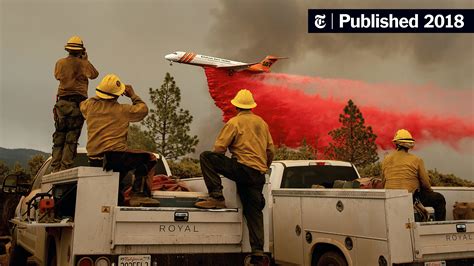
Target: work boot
(257,258)
(210,203)
(140,201)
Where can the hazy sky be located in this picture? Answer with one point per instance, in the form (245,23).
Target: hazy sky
(130,38)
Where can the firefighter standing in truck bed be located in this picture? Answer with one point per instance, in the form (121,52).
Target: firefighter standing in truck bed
(73,73)
(248,139)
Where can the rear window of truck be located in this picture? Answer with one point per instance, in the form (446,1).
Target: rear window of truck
(323,175)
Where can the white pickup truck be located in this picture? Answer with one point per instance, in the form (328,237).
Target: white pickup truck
(303,225)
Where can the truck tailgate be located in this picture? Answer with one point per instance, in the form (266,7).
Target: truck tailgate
(443,240)
(168,225)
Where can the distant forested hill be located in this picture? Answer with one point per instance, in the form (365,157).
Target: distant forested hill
(10,156)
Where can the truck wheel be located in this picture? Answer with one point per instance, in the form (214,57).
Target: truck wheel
(19,256)
(332,258)
(265,261)
(8,212)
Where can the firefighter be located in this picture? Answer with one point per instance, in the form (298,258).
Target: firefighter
(107,127)
(73,73)
(403,170)
(248,139)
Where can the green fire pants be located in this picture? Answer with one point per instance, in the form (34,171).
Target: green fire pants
(68,122)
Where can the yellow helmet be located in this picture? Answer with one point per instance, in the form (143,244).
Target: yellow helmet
(75,44)
(404,138)
(110,87)
(244,99)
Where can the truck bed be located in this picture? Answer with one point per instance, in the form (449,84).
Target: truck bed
(112,229)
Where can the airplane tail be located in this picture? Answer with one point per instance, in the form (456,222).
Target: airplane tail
(265,64)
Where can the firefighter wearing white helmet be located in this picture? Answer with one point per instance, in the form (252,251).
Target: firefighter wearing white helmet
(248,139)
(73,73)
(403,170)
(107,127)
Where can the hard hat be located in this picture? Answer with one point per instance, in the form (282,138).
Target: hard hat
(244,100)
(404,138)
(74,43)
(110,87)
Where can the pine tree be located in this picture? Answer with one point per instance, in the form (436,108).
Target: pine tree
(4,169)
(304,152)
(18,169)
(353,141)
(168,124)
(35,163)
(138,139)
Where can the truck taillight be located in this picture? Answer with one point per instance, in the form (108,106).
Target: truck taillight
(102,261)
(86,261)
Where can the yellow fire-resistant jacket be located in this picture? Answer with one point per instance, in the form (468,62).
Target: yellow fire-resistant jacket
(248,139)
(403,170)
(73,74)
(108,121)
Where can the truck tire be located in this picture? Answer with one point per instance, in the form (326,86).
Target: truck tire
(8,212)
(266,261)
(331,258)
(19,256)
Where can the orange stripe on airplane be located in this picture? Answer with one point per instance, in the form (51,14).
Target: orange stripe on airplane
(185,59)
(181,60)
(191,57)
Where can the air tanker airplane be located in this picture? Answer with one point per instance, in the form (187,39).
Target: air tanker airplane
(231,66)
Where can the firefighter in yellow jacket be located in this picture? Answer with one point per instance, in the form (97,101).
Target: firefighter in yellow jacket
(73,73)
(248,139)
(107,127)
(403,170)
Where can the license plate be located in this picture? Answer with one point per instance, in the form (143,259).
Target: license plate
(436,263)
(134,260)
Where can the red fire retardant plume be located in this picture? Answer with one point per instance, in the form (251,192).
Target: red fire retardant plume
(298,108)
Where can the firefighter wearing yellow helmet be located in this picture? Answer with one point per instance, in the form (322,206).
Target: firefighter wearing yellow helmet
(107,127)
(73,73)
(403,170)
(248,139)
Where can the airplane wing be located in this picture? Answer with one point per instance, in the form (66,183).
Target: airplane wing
(263,66)
(236,68)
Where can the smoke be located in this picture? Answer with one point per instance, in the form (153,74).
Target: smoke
(279,27)
(297,107)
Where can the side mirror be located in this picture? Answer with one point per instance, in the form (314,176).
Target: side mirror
(10,184)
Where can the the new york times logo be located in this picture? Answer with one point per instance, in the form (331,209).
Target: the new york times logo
(319,21)
(390,20)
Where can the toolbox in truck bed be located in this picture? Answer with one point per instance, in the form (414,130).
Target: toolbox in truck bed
(178,198)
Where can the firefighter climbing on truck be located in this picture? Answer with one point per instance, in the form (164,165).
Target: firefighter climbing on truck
(248,139)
